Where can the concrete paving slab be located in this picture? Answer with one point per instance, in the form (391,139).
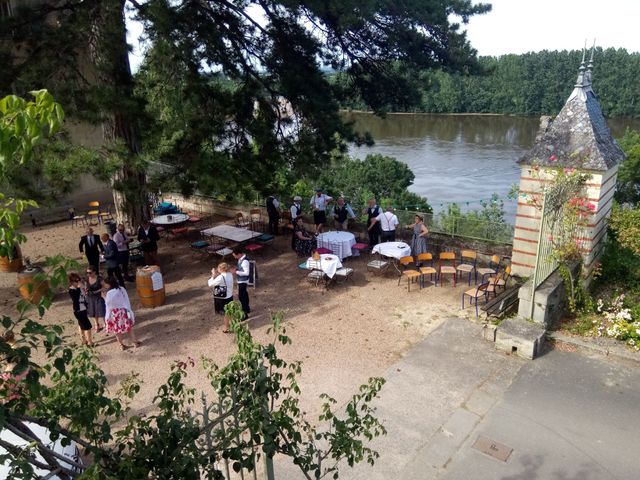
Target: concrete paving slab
(567,417)
(422,400)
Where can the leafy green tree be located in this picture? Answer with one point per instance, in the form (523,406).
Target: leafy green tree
(625,222)
(629,172)
(377,176)
(531,84)
(218,72)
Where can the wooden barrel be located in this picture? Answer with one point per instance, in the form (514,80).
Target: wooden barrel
(150,286)
(13,265)
(31,288)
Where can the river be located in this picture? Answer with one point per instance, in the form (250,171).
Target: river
(458,158)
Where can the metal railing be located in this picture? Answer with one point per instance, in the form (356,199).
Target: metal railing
(462,226)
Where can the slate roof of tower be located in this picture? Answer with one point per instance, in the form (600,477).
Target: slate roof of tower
(579,136)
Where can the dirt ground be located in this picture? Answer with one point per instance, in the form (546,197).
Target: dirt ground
(343,335)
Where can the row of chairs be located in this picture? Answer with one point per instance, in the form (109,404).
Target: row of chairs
(448,264)
(96,214)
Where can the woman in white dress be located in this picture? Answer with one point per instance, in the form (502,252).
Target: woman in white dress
(221,281)
(119,317)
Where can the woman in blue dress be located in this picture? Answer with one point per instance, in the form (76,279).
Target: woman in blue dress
(418,240)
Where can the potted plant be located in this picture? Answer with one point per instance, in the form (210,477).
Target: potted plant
(10,238)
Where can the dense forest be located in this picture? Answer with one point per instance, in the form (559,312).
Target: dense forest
(530,84)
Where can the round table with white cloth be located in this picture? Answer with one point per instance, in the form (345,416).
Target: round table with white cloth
(395,250)
(339,243)
(171,219)
(329,263)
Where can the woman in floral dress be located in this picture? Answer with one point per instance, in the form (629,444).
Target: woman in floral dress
(119,317)
(303,241)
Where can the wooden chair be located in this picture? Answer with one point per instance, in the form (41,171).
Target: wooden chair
(79,219)
(449,267)
(105,214)
(241,221)
(255,217)
(409,271)
(468,261)
(501,279)
(94,212)
(474,294)
(429,269)
(492,269)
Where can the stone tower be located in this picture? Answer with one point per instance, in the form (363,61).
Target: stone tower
(578,137)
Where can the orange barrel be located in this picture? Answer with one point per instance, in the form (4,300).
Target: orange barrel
(32,284)
(150,286)
(13,265)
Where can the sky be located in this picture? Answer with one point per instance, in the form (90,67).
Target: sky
(520,26)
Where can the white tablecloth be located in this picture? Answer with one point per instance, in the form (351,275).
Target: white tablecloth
(396,250)
(329,263)
(170,219)
(229,232)
(339,243)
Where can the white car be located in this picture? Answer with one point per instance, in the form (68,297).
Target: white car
(70,451)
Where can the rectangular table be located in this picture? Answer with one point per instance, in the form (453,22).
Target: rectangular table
(229,232)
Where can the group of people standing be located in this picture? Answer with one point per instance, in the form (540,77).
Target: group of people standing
(106,299)
(221,281)
(381,224)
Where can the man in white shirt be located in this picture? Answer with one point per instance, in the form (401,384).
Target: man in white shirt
(122,241)
(319,204)
(243,272)
(388,222)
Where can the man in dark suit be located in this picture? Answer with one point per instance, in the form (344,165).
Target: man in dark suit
(91,245)
(112,258)
(149,236)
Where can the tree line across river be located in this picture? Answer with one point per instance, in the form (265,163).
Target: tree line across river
(536,83)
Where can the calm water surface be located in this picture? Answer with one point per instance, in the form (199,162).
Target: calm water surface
(458,158)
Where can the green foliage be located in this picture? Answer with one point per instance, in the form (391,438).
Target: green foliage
(625,223)
(531,84)
(377,176)
(24,124)
(619,267)
(486,223)
(10,211)
(628,190)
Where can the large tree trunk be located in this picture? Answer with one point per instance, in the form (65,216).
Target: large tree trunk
(110,55)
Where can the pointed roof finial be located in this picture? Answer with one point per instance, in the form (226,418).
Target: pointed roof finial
(580,80)
(587,73)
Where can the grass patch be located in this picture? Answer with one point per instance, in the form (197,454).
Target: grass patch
(580,325)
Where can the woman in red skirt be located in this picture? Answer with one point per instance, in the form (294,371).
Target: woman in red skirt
(119,317)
